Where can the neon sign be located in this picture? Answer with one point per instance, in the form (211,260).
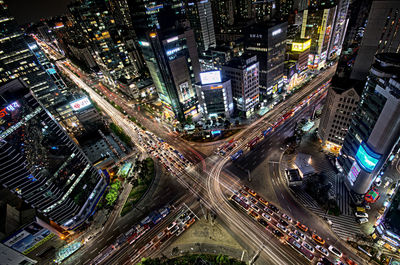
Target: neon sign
(80,103)
(366,158)
(13,106)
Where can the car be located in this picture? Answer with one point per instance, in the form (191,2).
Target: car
(318,239)
(294,236)
(323,250)
(269,211)
(287,217)
(255,208)
(368,207)
(180,231)
(325,261)
(378,182)
(253,214)
(300,234)
(263,222)
(361,215)
(281,227)
(263,201)
(266,216)
(278,233)
(302,227)
(335,251)
(382,210)
(283,222)
(362,220)
(171,225)
(273,208)
(308,247)
(174,229)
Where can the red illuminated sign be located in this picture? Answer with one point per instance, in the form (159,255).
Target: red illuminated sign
(9,108)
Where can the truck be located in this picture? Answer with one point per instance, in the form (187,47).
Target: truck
(253,142)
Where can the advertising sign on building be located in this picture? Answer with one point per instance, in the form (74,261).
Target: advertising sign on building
(210,77)
(80,103)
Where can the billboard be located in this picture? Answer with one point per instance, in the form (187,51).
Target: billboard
(210,77)
(301,46)
(80,103)
(354,172)
(366,158)
(27,239)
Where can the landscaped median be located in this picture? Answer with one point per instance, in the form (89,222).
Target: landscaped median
(140,186)
(194,259)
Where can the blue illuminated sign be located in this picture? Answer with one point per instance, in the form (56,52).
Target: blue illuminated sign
(215,132)
(366,158)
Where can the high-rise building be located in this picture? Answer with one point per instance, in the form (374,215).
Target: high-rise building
(262,10)
(380,35)
(172,60)
(339,29)
(317,25)
(268,42)
(341,102)
(375,127)
(102,32)
(200,16)
(41,164)
(244,75)
(215,95)
(18,60)
(223,13)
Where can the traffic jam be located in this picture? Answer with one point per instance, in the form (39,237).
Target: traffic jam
(289,231)
(181,223)
(225,148)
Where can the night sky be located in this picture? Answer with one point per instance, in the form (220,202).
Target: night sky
(32,10)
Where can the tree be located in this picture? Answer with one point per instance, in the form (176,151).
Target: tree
(189,119)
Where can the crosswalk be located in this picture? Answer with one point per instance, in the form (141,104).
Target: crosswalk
(344,226)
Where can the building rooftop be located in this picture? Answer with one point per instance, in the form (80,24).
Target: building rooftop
(242,62)
(342,84)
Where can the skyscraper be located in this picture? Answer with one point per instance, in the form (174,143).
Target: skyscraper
(103,33)
(41,164)
(381,35)
(268,42)
(339,29)
(201,21)
(244,75)
(17,60)
(375,126)
(317,25)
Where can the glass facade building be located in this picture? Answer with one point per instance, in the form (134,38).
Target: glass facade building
(375,126)
(41,164)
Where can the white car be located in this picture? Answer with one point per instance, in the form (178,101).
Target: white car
(299,234)
(287,217)
(362,220)
(171,226)
(323,250)
(266,216)
(308,247)
(335,251)
(295,237)
(361,215)
(281,227)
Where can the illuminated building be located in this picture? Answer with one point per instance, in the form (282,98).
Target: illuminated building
(375,126)
(20,60)
(200,16)
(215,95)
(341,102)
(298,51)
(317,25)
(223,13)
(244,75)
(339,29)
(41,164)
(104,34)
(381,35)
(387,230)
(268,42)
(171,57)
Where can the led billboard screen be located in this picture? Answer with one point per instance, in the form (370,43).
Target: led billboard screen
(80,103)
(210,77)
(366,158)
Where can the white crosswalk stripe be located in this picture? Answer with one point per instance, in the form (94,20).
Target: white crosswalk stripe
(344,226)
(304,198)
